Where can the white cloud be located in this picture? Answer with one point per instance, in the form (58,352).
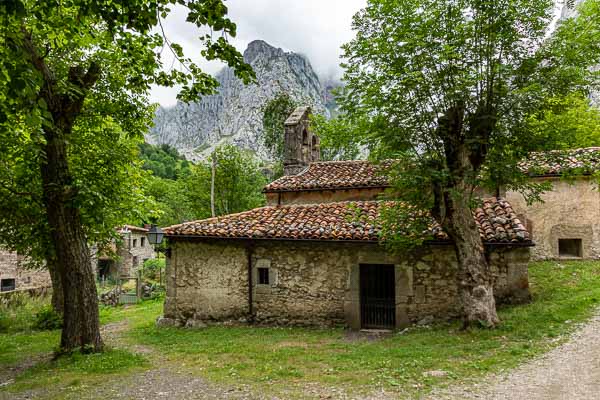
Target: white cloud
(315,28)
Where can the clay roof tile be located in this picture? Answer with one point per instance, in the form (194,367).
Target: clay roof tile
(337,221)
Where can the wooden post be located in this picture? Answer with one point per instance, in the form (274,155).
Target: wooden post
(212,184)
(139,285)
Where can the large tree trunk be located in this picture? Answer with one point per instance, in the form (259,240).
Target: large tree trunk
(475,278)
(81,328)
(58,300)
(465,152)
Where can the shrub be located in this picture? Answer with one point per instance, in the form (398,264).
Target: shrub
(18,311)
(152,268)
(47,319)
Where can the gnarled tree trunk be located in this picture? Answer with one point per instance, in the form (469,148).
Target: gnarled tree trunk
(465,151)
(475,278)
(81,328)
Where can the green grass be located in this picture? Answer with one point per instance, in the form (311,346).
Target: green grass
(18,312)
(564,294)
(78,369)
(284,361)
(31,352)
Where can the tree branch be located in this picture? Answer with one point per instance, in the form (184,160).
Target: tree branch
(37,61)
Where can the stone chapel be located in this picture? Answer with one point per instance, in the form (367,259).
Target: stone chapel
(306,259)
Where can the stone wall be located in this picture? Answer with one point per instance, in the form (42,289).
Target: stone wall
(13,266)
(323,196)
(318,283)
(133,252)
(206,282)
(130,255)
(570,211)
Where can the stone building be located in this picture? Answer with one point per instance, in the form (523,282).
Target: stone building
(301,146)
(566,225)
(126,257)
(14,275)
(313,255)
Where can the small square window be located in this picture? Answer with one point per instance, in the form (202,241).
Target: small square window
(6,285)
(134,242)
(263,276)
(570,248)
(142,242)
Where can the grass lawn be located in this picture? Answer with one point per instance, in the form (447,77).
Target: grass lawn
(285,361)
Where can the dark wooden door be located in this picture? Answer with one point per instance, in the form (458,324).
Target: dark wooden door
(377,296)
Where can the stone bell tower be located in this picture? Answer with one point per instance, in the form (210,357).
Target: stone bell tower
(301,146)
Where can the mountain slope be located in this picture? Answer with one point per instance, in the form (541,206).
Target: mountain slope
(234,115)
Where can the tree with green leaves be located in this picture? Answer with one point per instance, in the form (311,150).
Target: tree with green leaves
(448,88)
(238,183)
(82,65)
(340,137)
(172,200)
(565,123)
(164,161)
(275,112)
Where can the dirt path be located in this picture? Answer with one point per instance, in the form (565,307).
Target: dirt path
(569,372)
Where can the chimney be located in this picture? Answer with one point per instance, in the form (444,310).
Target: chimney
(301,146)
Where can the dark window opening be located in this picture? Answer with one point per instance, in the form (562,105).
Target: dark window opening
(6,285)
(263,276)
(305,137)
(570,248)
(134,242)
(104,269)
(142,242)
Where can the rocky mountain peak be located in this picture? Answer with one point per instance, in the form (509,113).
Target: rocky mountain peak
(260,48)
(234,115)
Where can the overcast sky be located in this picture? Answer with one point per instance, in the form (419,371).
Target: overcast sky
(315,28)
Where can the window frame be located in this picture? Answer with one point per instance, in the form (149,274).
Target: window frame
(3,285)
(570,243)
(261,273)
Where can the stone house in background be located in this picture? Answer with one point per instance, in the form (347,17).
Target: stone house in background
(131,254)
(15,276)
(567,224)
(313,255)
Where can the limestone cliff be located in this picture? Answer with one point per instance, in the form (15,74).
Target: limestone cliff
(234,115)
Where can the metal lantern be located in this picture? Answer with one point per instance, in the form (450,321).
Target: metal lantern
(155,235)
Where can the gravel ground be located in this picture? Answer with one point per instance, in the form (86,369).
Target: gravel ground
(569,372)
(167,384)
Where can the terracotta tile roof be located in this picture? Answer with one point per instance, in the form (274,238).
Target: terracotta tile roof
(496,219)
(557,162)
(333,175)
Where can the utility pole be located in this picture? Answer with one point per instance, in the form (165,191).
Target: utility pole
(212,184)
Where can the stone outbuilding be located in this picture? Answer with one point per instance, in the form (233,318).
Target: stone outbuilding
(126,257)
(14,274)
(566,225)
(313,256)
